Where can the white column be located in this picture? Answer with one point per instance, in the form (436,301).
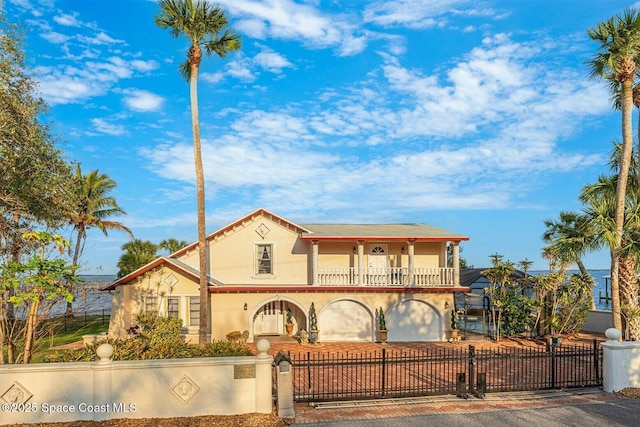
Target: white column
(314,262)
(456,263)
(411,252)
(360,262)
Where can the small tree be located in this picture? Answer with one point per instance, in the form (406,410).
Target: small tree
(36,285)
(511,307)
(382,323)
(500,278)
(454,320)
(566,301)
(313,318)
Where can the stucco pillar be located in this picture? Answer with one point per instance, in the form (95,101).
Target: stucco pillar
(411,252)
(264,378)
(456,263)
(360,262)
(314,262)
(102,379)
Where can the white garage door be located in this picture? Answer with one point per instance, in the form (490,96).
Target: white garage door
(413,320)
(345,321)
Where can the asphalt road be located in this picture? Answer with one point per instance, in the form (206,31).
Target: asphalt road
(614,413)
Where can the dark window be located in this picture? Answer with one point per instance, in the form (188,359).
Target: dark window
(264,264)
(172,306)
(194,311)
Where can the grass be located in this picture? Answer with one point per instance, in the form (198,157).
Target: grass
(60,331)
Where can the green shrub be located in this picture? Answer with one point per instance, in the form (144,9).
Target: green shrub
(159,338)
(224,349)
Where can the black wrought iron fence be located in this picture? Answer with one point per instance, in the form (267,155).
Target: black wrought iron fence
(433,371)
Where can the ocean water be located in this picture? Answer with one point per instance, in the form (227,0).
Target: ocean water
(88,297)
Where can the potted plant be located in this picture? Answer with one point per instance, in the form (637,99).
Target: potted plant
(454,326)
(313,325)
(382,326)
(289,324)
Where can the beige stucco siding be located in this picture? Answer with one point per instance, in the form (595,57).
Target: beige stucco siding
(234,255)
(228,312)
(158,284)
(428,255)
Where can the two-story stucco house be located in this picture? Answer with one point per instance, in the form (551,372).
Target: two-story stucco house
(262,265)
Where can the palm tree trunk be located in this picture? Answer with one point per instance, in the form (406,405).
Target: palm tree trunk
(629,298)
(202,238)
(76,256)
(584,272)
(623,177)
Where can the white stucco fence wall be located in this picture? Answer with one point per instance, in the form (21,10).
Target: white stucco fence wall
(60,392)
(621,362)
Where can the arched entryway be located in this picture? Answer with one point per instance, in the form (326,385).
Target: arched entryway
(345,320)
(270,318)
(414,320)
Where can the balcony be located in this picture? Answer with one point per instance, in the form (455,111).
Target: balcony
(392,276)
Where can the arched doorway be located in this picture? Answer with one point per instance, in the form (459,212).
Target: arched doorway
(414,320)
(270,318)
(345,320)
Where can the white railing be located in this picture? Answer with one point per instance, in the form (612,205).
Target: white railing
(391,276)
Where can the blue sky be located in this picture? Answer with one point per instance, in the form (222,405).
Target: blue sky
(474,116)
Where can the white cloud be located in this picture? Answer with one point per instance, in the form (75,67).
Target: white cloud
(101,38)
(144,66)
(67,84)
(212,77)
(420,14)
(141,100)
(67,19)
(272,61)
(102,126)
(60,88)
(240,69)
(285,19)
(55,37)
(470,136)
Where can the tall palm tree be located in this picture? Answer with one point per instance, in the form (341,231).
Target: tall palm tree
(570,237)
(92,206)
(619,39)
(172,245)
(205,26)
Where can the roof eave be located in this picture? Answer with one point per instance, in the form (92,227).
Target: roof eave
(385,238)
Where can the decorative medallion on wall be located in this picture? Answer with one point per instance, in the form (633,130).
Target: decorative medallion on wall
(262,230)
(17,393)
(171,280)
(185,388)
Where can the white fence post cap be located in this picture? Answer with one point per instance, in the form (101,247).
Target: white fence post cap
(613,334)
(104,352)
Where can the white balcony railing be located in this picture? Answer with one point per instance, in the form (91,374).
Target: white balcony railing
(392,276)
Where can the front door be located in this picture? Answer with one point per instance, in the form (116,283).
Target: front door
(270,319)
(378,264)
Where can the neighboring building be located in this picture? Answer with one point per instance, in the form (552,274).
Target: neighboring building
(263,265)
(476,282)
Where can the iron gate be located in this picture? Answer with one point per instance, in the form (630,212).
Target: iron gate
(432,371)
